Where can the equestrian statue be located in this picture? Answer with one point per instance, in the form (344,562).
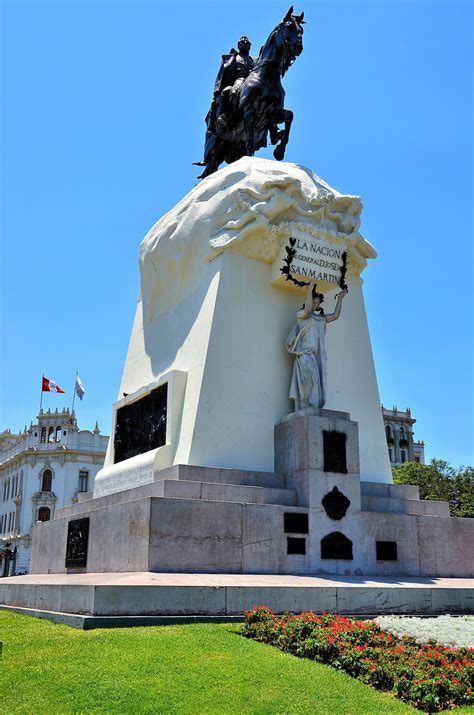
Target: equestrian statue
(248,99)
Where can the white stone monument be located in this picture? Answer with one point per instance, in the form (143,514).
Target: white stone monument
(215,310)
(212,470)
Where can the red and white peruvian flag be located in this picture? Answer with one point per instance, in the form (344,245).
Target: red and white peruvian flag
(50,386)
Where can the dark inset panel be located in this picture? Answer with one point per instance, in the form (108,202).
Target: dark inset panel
(141,426)
(295,523)
(77,542)
(295,545)
(334,449)
(335,504)
(386,550)
(336,546)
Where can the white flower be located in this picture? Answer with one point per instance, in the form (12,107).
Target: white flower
(454,631)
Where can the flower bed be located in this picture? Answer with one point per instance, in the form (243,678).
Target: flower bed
(453,631)
(431,677)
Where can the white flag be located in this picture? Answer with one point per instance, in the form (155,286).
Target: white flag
(79,388)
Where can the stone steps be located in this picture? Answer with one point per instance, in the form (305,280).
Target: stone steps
(206,483)
(189,473)
(417,507)
(240,493)
(397,491)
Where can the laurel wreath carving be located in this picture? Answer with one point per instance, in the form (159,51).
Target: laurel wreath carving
(288,260)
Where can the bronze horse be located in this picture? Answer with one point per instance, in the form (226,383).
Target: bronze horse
(259,106)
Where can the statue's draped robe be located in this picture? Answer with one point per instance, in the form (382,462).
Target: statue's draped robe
(307,343)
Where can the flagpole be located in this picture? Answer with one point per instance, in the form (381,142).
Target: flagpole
(74,391)
(41,396)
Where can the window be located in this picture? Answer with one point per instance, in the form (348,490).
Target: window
(51,434)
(403,437)
(403,456)
(46,482)
(44,513)
(83,480)
(58,434)
(43,434)
(390,454)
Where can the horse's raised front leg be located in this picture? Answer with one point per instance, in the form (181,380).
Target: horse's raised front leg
(286,115)
(275,133)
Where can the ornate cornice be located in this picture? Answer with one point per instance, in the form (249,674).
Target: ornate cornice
(32,456)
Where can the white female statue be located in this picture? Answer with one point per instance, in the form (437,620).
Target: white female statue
(307,343)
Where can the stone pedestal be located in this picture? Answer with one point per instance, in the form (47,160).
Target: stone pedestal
(214,313)
(300,455)
(357,527)
(318,451)
(198,479)
(311,516)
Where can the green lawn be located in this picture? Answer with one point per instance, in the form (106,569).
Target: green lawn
(197,668)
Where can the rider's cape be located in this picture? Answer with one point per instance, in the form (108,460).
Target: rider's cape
(226,75)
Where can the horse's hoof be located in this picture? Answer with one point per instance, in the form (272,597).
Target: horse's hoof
(279,153)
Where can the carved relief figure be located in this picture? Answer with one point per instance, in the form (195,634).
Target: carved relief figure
(307,343)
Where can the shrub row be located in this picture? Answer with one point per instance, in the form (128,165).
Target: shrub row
(431,677)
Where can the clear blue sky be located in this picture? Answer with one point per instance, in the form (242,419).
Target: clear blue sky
(103,107)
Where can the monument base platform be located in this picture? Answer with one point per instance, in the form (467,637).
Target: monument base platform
(313,517)
(121,599)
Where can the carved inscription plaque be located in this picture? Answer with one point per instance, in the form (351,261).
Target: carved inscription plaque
(386,550)
(314,259)
(296,545)
(77,541)
(334,448)
(336,546)
(141,425)
(295,522)
(335,504)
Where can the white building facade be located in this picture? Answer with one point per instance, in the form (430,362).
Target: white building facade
(399,433)
(45,467)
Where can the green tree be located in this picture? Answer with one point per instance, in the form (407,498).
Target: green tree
(440,481)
